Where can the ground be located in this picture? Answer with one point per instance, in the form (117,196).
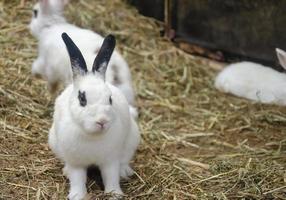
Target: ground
(197,143)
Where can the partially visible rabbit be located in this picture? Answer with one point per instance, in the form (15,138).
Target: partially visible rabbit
(52,63)
(92,124)
(255,81)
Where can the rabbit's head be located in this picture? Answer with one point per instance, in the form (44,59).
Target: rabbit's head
(91,103)
(46,13)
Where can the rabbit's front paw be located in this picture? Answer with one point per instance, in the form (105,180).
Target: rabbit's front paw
(126,171)
(76,195)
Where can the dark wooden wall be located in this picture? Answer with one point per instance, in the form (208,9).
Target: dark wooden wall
(248,28)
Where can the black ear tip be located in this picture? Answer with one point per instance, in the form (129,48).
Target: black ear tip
(110,36)
(110,39)
(65,36)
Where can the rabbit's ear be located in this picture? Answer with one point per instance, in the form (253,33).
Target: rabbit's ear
(77,61)
(58,5)
(45,6)
(44,2)
(102,59)
(65,2)
(281,57)
(51,6)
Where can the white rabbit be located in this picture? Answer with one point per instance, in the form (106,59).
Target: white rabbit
(255,81)
(92,124)
(47,25)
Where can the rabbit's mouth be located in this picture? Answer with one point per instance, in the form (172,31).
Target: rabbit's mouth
(96,128)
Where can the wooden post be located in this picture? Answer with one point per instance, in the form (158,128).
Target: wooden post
(169,32)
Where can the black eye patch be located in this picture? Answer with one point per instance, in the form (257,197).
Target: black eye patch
(35,12)
(82,98)
(110,100)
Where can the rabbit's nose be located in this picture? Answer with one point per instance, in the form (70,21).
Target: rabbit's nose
(101,123)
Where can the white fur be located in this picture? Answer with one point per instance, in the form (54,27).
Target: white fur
(53,62)
(254,81)
(77,140)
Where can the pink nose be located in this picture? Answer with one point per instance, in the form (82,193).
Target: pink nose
(101,123)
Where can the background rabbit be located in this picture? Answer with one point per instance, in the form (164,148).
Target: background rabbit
(255,81)
(92,124)
(52,63)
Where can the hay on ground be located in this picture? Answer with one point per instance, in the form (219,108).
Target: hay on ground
(196,142)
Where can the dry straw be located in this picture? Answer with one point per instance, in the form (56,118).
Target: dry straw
(196,142)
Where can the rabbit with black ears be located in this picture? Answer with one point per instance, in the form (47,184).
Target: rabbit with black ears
(52,64)
(92,124)
(255,81)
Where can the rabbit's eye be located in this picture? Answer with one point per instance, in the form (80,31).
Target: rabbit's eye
(82,98)
(35,12)
(110,100)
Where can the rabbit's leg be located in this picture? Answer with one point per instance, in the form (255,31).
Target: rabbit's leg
(38,67)
(65,171)
(126,171)
(77,178)
(53,86)
(130,147)
(110,176)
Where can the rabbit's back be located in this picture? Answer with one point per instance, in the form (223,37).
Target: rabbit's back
(51,42)
(57,60)
(253,81)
